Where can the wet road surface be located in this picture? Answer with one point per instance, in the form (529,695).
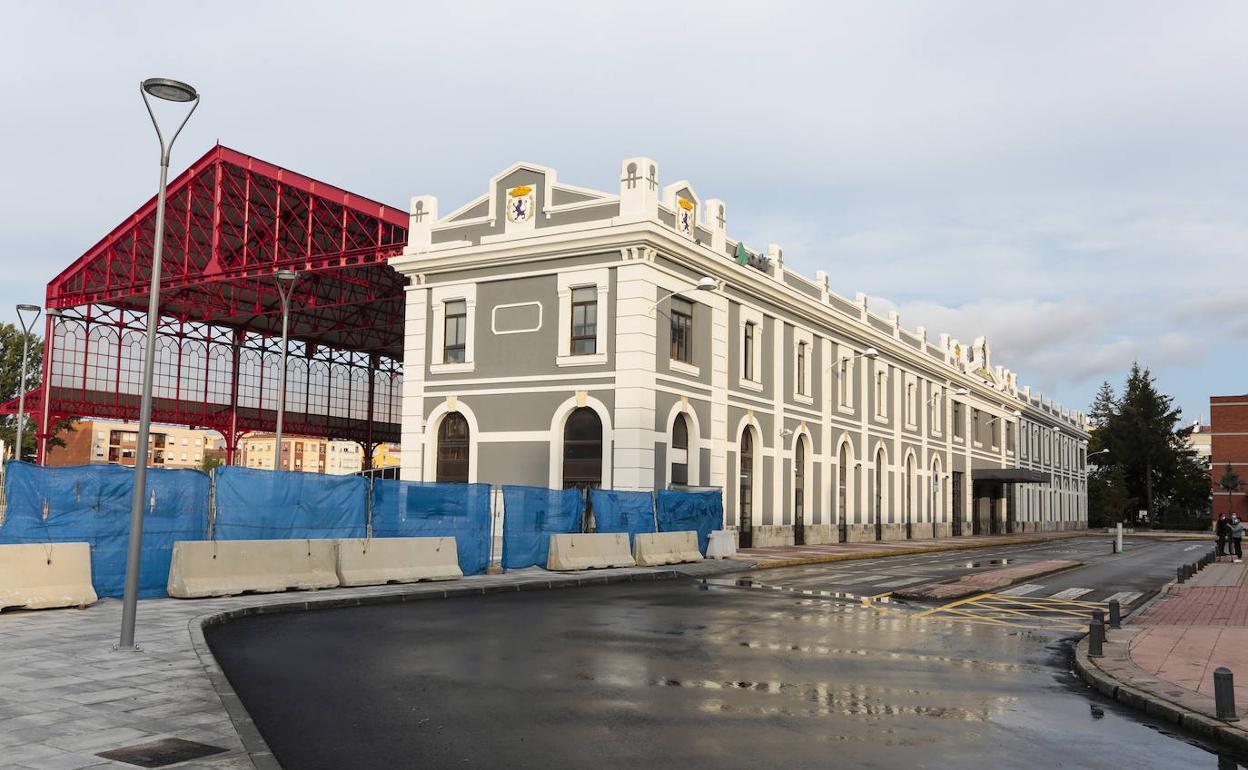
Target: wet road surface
(672,674)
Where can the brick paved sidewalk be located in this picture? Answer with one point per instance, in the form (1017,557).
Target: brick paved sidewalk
(788,555)
(65,695)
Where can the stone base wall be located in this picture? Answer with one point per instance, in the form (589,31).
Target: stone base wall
(860,533)
(944,530)
(894,531)
(818,534)
(769,535)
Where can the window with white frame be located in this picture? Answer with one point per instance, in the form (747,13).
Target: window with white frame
(845,380)
(583,297)
(454,310)
(912,404)
(937,408)
(749,343)
(958,429)
(750,338)
(881,394)
(803,344)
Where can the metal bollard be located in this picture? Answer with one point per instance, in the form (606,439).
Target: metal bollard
(1098,616)
(1224,694)
(1096,638)
(1180,575)
(1115,614)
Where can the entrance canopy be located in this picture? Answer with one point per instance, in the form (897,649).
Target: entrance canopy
(1010,475)
(232,221)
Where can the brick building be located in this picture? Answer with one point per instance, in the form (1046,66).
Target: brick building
(1228,418)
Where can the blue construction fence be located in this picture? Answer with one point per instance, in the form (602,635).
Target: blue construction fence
(91,503)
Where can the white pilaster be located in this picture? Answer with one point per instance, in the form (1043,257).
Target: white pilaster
(720,337)
(636,347)
(778,362)
(413,419)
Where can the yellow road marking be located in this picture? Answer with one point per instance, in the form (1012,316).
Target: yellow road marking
(1016,612)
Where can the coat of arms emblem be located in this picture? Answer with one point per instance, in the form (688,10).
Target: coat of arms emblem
(684,216)
(520,203)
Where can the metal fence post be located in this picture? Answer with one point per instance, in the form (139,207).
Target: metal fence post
(1115,614)
(368,508)
(212,504)
(1224,694)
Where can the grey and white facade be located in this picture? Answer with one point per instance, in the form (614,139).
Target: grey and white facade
(555,335)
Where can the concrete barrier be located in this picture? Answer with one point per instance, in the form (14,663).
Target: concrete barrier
(202,568)
(589,551)
(377,561)
(652,550)
(38,576)
(722,545)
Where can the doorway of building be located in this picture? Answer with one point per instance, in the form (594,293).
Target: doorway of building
(799,492)
(842,491)
(956,511)
(879,495)
(582,449)
(453,445)
(745,494)
(908,501)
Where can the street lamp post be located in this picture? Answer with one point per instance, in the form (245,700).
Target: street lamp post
(170,91)
(705,283)
(22,310)
(285,284)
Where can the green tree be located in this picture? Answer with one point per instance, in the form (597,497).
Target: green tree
(210,462)
(10,384)
(1150,464)
(1231,482)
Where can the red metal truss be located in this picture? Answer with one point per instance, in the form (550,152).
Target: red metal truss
(232,221)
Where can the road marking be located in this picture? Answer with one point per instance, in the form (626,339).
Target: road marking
(1023,590)
(901,582)
(1017,612)
(1192,547)
(1124,597)
(1071,593)
(862,579)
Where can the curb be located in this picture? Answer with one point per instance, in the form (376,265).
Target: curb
(1155,705)
(255,748)
(955,546)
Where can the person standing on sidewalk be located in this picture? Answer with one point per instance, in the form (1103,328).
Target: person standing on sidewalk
(1237,538)
(1223,532)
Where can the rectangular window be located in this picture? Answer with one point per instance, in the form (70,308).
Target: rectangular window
(912,404)
(682,330)
(801,368)
(937,405)
(584,321)
(881,394)
(957,420)
(747,357)
(455,332)
(846,385)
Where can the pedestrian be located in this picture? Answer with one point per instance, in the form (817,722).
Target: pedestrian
(1237,538)
(1223,531)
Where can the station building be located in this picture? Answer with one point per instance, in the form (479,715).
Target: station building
(557,335)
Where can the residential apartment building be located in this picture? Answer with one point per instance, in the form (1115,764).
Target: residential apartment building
(1228,421)
(105,441)
(559,336)
(301,453)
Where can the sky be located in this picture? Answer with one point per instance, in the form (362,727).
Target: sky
(1068,179)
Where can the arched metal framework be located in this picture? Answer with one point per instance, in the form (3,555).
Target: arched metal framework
(232,220)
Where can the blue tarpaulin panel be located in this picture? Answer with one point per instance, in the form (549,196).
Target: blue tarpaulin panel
(631,512)
(530,516)
(415,509)
(91,503)
(255,504)
(680,511)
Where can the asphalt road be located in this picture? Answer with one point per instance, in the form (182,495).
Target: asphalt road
(1132,576)
(674,674)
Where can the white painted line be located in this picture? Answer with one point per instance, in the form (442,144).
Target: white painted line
(1023,590)
(1124,597)
(1071,593)
(901,582)
(862,579)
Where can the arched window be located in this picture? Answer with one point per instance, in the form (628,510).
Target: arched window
(909,501)
(880,462)
(842,484)
(745,499)
(799,490)
(453,440)
(582,449)
(680,450)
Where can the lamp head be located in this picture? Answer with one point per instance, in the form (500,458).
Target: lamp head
(706,283)
(170,90)
(28,308)
(286,275)
(871,353)
(1016,413)
(960,391)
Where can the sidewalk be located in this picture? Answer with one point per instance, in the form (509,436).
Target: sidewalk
(795,555)
(65,695)
(1163,660)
